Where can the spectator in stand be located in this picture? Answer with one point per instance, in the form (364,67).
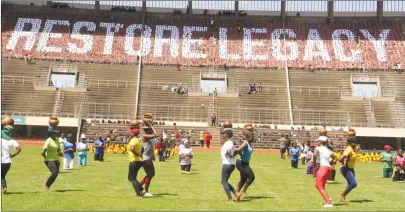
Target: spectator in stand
(260,87)
(213,120)
(69,150)
(225,67)
(164,135)
(178,137)
(27,57)
(208,138)
(174,128)
(215,92)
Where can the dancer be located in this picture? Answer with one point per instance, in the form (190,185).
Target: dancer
(246,173)
(208,138)
(347,162)
(186,154)
(7,146)
(387,158)
(69,149)
(202,139)
(149,140)
(82,148)
(228,159)
(325,170)
(51,152)
(399,174)
(135,156)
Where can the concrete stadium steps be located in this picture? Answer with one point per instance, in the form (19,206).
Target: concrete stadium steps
(316,97)
(16,97)
(358,113)
(171,76)
(386,114)
(170,106)
(20,68)
(42,102)
(72,101)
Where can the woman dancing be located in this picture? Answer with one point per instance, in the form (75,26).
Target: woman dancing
(347,162)
(51,152)
(7,146)
(148,142)
(134,148)
(242,164)
(228,160)
(325,170)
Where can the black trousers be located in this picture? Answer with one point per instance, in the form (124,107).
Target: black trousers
(161,155)
(397,176)
(186,168)
(333,175)
(5,167)
(227,170)
(132,174)
(246,173)
(294,164)
(53,167)
(98,157)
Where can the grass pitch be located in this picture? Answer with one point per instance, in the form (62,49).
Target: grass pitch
(104,186)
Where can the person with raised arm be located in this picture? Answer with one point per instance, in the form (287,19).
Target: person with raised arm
(8,144)
(326,158)
(245,150)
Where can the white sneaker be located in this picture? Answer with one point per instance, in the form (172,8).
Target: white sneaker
(327,206)
(147,195)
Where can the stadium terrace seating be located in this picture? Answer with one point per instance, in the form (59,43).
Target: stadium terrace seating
(316,97)
(171,40)
(268,106)
(156,96)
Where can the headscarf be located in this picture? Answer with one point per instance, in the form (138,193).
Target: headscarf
(228,132)
(7,132)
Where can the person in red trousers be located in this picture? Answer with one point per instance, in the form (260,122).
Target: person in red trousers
(208,138)
(324,155)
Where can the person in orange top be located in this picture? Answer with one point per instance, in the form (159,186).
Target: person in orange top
(347,162)
(208,138)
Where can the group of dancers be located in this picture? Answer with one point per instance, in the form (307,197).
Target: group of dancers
(141,155)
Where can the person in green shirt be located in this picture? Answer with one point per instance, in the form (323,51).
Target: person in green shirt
(387,157)
(51,153)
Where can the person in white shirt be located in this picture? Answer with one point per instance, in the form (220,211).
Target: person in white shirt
(228,162)
(325,157)
(186,154)
(7,146)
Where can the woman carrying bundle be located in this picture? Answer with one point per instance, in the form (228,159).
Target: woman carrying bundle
(149,140)
(228,160)
(325,170)
(51,152)
(399,174)
(245,150)
(7,146)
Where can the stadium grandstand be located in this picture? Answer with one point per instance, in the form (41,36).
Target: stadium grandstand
(285,66)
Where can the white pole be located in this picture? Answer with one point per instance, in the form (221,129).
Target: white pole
(288,81)
(138,84)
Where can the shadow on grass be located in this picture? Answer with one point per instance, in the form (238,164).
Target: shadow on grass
(250,198)
(339,204)
(19,192)
(361,200)
(68,190)
(164,194)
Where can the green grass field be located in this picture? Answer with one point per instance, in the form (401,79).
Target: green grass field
(104,186)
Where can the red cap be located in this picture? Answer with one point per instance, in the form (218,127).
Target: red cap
(387,147)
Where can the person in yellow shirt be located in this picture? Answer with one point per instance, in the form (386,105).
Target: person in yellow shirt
(202,139)
(134,148)
(347,162)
